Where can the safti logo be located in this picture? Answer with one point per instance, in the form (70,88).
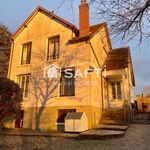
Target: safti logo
(53,71)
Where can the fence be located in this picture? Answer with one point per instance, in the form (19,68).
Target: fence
(140,117)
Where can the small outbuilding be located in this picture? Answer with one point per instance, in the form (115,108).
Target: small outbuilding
(76,122)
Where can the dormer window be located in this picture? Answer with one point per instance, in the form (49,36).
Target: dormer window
(53,48)
(26,53)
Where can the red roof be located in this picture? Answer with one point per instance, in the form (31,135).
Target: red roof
(93,30)
(119,58)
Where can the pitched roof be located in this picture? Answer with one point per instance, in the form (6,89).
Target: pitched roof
(119,58)
(51,14)
(93,30)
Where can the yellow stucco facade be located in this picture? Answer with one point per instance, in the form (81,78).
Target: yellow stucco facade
(41,107)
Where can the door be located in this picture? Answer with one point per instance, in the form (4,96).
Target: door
(19,120)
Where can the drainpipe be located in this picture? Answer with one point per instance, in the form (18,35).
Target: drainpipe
(129,101)
(129,93)
(102,92)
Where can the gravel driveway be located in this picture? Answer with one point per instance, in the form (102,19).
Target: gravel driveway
(137,137)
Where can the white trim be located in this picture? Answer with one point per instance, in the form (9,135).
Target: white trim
(20,55)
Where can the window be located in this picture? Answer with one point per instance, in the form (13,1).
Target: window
(67,87)
(26,54)
(53,48)
(23,81)
(116,90)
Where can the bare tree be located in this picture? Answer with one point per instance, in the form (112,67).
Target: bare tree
(127,19)
(44,89)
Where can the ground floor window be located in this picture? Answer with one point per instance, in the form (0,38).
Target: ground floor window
(116,90)
(23,81)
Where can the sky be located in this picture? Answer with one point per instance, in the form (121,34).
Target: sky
(14,12)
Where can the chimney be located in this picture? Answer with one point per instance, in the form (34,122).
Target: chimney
(84,18)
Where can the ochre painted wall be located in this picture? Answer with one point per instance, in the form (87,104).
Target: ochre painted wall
(77,55)
(48,118)
(141,101)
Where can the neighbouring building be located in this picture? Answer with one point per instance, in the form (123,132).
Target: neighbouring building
(143,103)
(46,48)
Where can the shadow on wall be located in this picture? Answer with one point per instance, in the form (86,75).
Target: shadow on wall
(43,89)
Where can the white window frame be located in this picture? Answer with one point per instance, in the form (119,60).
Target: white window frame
(20,84)
(21,53)
(47,47)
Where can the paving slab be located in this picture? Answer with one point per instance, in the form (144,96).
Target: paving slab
(26,132)
(101,134)
(90,134)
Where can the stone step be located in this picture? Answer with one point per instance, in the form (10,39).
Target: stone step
(115,117)
(110,113)
(114,110)
(111,119)
(116,122)
(101,134)
(112,127)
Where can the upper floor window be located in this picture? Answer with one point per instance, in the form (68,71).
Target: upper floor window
(23,81)
(116,90)
(53,48)
(67,85)
(26,53)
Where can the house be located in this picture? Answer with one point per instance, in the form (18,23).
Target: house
(143,103)
(100,78)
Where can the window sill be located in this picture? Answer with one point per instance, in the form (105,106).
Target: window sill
(49,61)
(26,65)
(66,97)
(113,100)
